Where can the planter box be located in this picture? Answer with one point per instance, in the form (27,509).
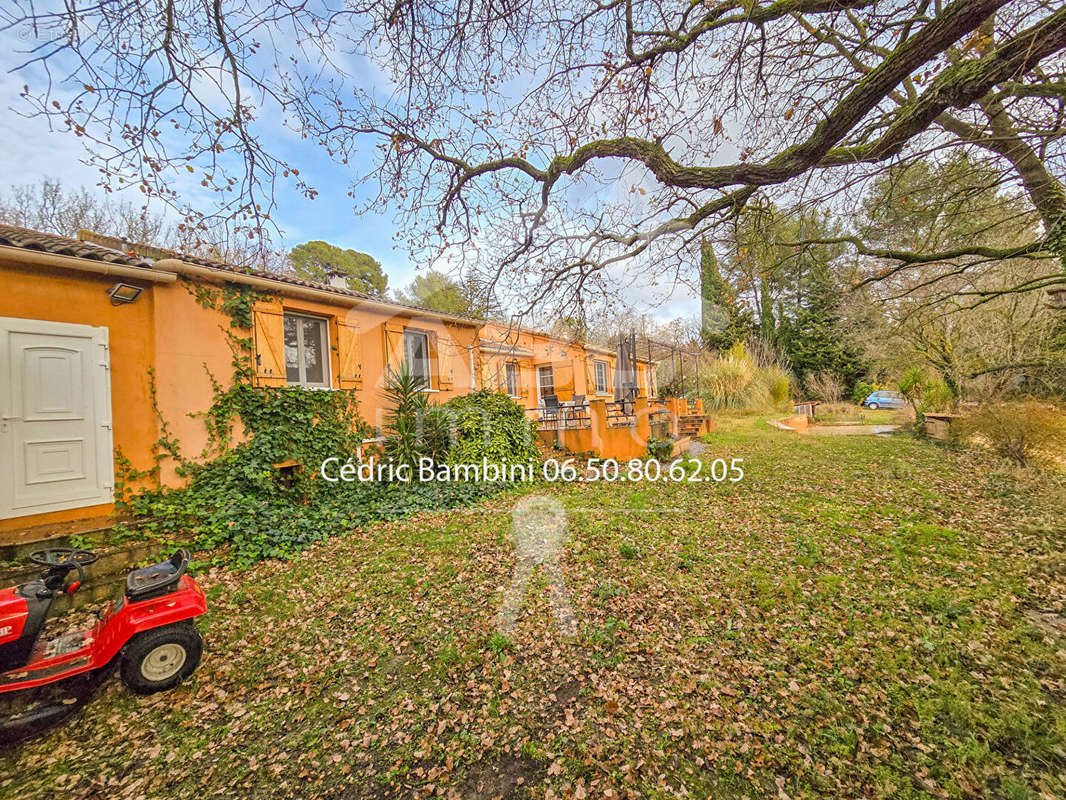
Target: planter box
(938,426)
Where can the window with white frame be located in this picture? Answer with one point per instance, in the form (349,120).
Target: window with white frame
(416,354)
(306,351)
(545,381)
(511,374)
(600,368)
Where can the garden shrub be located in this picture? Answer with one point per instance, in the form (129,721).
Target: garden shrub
(925,396)
(741,379)
(937,396)
(660,449)
(238,500)
(779,387)
(490,425)
(861,390)
(731,379)
(1027,432)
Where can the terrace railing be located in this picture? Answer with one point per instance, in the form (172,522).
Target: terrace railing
(621,414)
(564,417)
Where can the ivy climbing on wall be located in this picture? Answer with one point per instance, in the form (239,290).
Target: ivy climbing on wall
(237,498)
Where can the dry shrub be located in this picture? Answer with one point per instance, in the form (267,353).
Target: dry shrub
(824,386)
(837,412)
(1028,432)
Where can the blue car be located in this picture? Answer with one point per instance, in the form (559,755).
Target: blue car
(885,399)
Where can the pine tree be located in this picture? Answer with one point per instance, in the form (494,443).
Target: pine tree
(813,339)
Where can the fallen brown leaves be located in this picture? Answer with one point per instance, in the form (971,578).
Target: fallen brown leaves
(826,628)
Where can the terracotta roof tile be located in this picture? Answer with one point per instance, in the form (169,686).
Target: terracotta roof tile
(152,253)
(115,250)
(99,247)
(61,245)
(158,253)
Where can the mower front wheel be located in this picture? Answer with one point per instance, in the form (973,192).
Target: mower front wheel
(160,659)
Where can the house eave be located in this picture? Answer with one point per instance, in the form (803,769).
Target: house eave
(324,295)
(42,258)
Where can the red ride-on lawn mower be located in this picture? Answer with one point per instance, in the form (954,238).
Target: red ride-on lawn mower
(149,630)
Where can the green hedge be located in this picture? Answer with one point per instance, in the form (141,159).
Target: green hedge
(489,425)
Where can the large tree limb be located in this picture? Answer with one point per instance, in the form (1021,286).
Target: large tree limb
(958,86)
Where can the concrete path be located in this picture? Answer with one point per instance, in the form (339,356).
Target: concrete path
(853,430)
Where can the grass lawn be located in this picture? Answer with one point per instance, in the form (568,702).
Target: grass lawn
(847,621)
(834,413)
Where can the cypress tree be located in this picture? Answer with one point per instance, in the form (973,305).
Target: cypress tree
(724,319)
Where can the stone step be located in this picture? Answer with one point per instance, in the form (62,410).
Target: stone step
(103,579)
(17,544)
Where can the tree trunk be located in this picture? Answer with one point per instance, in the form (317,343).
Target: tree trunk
(1045,192)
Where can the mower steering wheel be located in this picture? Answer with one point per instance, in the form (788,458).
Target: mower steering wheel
(63,556)
(69,557)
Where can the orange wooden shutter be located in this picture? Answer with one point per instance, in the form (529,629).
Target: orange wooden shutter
(563,372)
(524,381)
(269,335)
(350,375)
(590,377)
(444,362)
(393,346)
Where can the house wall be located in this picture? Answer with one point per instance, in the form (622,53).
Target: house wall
(381,350)
(573,364)
(367,341)
(358,346)
(59,295)
(190,348)
(167,333)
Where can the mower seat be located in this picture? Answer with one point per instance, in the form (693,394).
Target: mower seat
(158,579)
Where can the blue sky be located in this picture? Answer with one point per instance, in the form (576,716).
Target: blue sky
(34,152)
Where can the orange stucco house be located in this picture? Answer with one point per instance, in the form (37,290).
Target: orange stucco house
(88,325)
(528,364)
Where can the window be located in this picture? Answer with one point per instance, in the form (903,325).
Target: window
(601,376)
(416,354)
(306,347)
(512,379)
(545,381)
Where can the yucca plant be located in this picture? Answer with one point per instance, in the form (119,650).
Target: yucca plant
(406,397)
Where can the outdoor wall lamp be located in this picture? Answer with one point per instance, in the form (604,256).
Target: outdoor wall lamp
(124,293)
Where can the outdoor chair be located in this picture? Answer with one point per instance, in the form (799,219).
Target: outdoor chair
(551,408)
(572,411)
